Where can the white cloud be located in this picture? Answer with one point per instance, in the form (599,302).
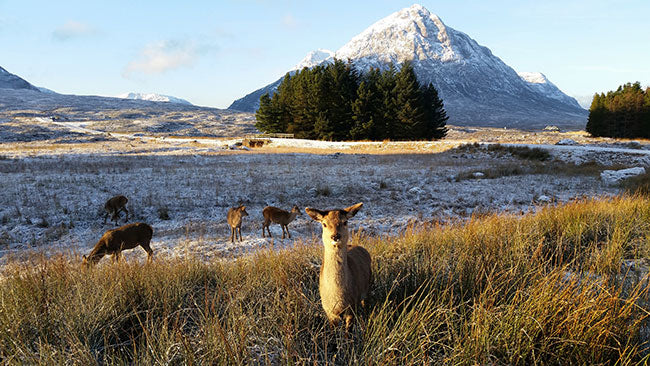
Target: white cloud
(162,56)
(289,21)
(72,29)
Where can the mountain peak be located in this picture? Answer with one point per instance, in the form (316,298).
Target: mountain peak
(413,33)
(153,97)
(314,58)
(534,77)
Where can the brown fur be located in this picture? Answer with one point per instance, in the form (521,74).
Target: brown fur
(235,215)
(278,216)
(346,273)
(113,207)
(116,240)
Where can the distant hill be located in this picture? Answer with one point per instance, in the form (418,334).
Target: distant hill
(13,82)
(476,86)
(153,97)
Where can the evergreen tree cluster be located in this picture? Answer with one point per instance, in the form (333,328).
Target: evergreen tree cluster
(334,102)
(621,113)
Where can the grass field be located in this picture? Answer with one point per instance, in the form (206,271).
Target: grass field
(565,285)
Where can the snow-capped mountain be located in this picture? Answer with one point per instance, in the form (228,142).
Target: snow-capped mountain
(538,81)
(314,58)
(11,81)
(152,97)
(476,86)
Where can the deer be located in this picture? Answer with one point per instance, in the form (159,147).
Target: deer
(113,206)
(345,275)
(235,215)
(114,241)
(279,216)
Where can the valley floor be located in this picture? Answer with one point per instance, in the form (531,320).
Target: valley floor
(54,191)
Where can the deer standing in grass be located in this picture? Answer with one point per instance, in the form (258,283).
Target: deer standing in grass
(235,215)
(116,240)
(345,274)
(278,216)
(113,207)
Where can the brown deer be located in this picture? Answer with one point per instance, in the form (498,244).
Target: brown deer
(116,240)
(278,216)
(345,274)
(235,215)
(113,207)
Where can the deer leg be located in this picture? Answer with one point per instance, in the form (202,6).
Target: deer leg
(287,228)
(127,214)
(348,322)
(149,251)
(232,233)
(106,217)
(239,230)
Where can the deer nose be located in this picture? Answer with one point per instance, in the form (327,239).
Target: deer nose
(336,237)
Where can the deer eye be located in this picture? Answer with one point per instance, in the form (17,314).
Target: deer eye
(324,225)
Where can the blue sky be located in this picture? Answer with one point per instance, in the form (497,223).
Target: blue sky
(212,52)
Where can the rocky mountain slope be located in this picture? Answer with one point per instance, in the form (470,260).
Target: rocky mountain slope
(13,82)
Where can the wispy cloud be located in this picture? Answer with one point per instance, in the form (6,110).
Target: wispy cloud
(73,29)
(290,21)
(161,56)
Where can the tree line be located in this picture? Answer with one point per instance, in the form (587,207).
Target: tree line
(621,113)
(335,102)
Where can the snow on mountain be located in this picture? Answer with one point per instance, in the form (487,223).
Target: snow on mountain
(477,87)
(153,97)
(314,58)
(11,81)
(538,81)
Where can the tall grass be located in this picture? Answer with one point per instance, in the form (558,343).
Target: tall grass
(545,288)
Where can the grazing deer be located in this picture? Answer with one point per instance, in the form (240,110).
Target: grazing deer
(345,274)
(235,215)
(113,206)
(116,240)
(278,216)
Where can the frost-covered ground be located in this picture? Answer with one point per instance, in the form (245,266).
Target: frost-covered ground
(53,193)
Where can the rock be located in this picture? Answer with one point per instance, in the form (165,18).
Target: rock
(416,190)
(478,175)
(552,128)
(613,177)
(543,199)
(567,142)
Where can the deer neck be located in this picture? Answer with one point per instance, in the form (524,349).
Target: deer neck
(335,262)
(292,216)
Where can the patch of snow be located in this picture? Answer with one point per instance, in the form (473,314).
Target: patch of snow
(567,142)
(153,97)
(613,177)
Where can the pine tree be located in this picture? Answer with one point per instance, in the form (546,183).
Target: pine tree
(408,99)
(596,115)
(435,114)
(266,116)
(387,121)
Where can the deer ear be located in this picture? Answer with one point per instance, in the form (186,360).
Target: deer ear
(315,214)
(352,210)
